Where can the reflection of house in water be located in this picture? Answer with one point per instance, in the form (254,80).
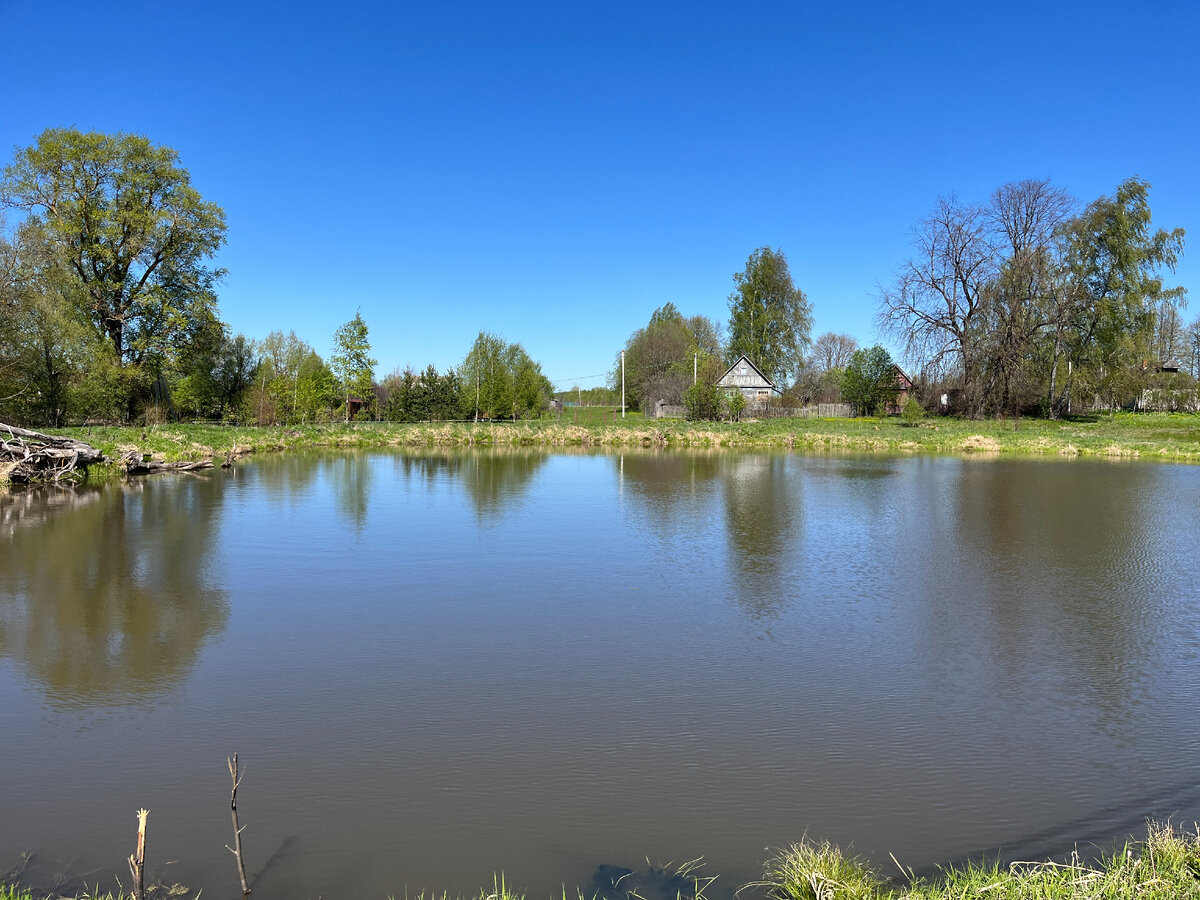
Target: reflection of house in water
(761,521)
(746,377)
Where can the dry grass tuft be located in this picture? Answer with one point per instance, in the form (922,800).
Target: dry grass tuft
(980,443)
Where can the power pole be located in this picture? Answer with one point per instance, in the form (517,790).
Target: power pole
(622,384)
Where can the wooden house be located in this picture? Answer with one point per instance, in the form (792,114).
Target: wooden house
(904,386)
(744,376)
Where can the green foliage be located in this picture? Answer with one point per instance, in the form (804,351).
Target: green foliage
(702,401)
(1114,260)
(499,381)
(769,317)
(218,372)
(663,358)
(735,402)
(126,240)
(596,396)
(352,364)
(912,412)
(409,396)
(869,380)
(666,313)
(292,384)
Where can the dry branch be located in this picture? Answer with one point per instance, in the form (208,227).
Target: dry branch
(137,859)
(236,775)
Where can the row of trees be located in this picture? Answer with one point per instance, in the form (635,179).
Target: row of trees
(108,311)
(1024,303)
(1027,301)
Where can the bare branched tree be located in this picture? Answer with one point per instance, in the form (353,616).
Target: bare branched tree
(936,306)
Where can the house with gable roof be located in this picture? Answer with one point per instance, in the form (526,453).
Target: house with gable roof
(746,377)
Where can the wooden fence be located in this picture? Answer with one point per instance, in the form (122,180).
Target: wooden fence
(767,411)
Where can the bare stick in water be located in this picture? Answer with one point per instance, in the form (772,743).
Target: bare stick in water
(236,775)
(137,860)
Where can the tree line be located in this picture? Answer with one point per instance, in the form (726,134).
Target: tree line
(1025,303)
(1028,303)
(108,311)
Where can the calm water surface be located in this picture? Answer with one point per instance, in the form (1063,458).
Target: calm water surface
(441,666)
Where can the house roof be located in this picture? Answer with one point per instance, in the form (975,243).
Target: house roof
(745,359)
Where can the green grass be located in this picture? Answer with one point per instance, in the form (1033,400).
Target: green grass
(1166,866)
(595,415)
(1123,436)
(12,893)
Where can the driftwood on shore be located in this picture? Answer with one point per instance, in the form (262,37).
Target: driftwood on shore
(30,456)
(136,464)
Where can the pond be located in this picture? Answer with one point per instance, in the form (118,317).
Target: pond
(441,666)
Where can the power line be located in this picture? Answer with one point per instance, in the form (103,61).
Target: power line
(557,381)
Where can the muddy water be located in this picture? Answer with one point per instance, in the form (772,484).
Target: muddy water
(439,667)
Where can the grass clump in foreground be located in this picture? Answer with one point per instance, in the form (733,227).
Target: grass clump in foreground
(1166,866)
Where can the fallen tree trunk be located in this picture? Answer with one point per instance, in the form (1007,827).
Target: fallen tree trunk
(135,464)
(34,456)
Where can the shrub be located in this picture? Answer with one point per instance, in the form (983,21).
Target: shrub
(912,412)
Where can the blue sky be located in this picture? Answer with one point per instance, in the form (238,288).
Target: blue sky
(553,172)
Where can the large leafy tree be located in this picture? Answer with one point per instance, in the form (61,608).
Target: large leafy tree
(1114,260)
(769,317)
(869,380)
(663,358)
(131,238)
(351,361)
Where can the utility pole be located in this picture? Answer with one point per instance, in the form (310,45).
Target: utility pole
(695,359)
(622,384)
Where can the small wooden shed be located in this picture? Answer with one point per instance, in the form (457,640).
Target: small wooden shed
(746,377)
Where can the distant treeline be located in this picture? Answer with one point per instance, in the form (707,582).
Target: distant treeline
(1023,303)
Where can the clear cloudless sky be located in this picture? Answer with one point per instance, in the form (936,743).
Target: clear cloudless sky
(553,172)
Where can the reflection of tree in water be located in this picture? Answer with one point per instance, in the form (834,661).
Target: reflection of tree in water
(670,487)
(494,479)
(1060,565)
(675,490)
(110,602)
(761,518)
(285,477)
(350,476)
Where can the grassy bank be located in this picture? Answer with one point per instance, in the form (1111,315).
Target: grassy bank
(1165,866)
(1159,436)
